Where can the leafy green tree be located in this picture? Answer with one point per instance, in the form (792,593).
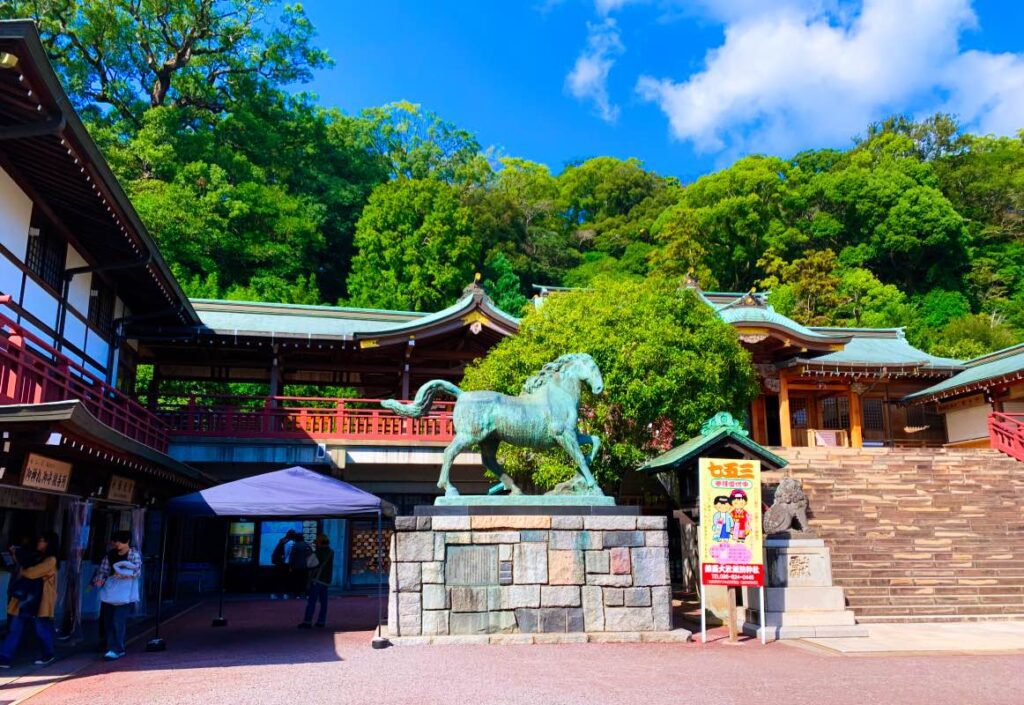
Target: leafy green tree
(504,286)
(972,335)
(867,302)
(668,362)
(418,144)
(609,204)
(521,205)
(130,56)
(417,247)
(811,286)
(734,216)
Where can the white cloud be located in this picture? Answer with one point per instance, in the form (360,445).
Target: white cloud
(606,7)
(987,91)
(588,79)
(810,72)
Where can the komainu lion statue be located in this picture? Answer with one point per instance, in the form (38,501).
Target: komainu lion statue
(789,508)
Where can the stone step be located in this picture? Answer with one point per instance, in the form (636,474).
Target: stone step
(911,534)
(917,580)
(923,618)
(929,609)
(857,592)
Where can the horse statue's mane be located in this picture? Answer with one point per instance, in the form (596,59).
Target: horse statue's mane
(547,373)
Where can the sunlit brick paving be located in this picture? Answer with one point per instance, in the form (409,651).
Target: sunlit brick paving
(261,658)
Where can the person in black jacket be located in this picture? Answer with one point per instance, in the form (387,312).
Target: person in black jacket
(319,579)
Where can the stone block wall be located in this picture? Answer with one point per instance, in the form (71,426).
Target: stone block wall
(459,575)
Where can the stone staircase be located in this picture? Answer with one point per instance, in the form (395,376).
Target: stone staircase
(922,534)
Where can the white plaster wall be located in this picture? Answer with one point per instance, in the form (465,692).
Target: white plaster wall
(969,423)
(10,278)
(78,290)
(96,347)
(40,303)
(74,331)
(15,216)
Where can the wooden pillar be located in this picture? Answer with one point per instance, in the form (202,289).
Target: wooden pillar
(758,425)
(856,420)
(785,421)
(405,381)
(274,388)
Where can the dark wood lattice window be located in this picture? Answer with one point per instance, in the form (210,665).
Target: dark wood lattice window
(798,412)
(923,416)
(101,305)
(45,256)
(835,413)
(871,408)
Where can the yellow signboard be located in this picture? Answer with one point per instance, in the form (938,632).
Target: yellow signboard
(732,548)
(46,473)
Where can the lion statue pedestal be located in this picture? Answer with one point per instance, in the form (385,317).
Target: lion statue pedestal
(800,599)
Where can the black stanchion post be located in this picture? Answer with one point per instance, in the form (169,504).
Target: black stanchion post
(157,643)
(219,620)
(380,641)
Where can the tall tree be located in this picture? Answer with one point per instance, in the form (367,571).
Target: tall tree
(417,247)
(668,362)
(131,55)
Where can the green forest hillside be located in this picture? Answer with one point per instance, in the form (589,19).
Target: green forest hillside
(256,192)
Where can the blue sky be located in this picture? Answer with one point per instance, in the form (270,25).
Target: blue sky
(685,86)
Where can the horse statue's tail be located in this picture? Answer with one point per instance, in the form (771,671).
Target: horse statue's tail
(424,398)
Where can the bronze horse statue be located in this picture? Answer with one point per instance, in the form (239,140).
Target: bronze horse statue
(543,415)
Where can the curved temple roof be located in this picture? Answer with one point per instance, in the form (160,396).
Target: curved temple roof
(369,327)
(988,370)
(872,347)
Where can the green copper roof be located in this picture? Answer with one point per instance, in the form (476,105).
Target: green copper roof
(718,429)
(297,320)
(755,315)
(880,347)
(1001,363)
(229,317)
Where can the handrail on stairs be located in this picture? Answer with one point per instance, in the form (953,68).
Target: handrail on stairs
(1006,433)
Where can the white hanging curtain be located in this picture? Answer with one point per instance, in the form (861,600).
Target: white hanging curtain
(138,536)
(79,515)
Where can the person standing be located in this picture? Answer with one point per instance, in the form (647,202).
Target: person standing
(33,602)
(319,580)
(118,579)
(298,565)
(279,558)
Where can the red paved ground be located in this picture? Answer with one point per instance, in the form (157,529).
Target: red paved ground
(261,658)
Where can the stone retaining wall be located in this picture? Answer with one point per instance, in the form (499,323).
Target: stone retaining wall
(454,575)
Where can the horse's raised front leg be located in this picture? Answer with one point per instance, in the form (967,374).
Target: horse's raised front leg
(458,444)
(568,441)
(594,441)
(489,456)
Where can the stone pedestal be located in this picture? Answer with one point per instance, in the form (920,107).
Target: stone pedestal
(529,578)
(800,599)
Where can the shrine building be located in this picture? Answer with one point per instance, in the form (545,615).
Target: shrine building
(87,303)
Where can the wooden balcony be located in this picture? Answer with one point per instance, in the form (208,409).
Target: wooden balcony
(34,372)
(315,418)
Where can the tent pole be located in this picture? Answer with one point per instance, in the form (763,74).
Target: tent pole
(219,620)
(156,643)
(380,641)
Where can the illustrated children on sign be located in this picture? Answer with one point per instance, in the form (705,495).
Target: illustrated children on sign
(722,522)
(740,516)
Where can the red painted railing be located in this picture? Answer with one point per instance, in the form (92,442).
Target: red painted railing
(33,372)
(303,417)
(1006,433)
